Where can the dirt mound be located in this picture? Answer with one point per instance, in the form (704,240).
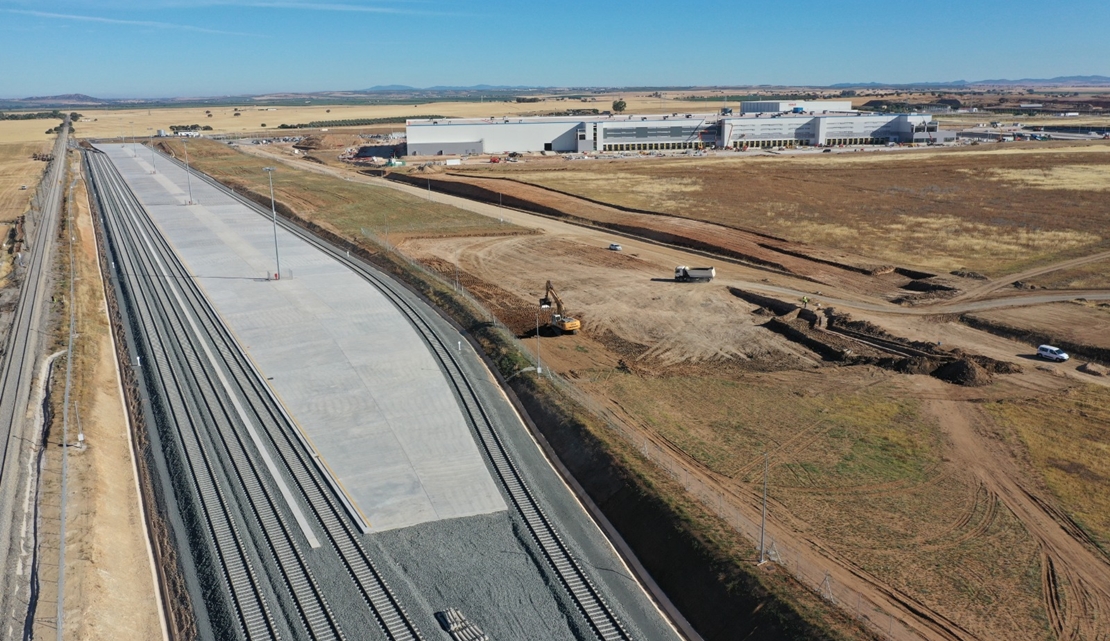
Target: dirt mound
(1094,369)
(327,141)
(914,365)
(963,273)
(994,366)
(964,372)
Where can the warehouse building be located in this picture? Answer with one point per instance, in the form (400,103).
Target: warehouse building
(797,130)
(797,106)
(617,133)
(561,134)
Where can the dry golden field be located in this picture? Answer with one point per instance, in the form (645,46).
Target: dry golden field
(18,169)
(995,210)
(108,123)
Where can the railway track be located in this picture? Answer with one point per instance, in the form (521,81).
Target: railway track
(196,370)
(586,597)
(18,361)
(20,350)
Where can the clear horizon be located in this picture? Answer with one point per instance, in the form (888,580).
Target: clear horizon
(206,48)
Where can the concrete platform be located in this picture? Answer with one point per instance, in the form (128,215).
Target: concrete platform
(349,368)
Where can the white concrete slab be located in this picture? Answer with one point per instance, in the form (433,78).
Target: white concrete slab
(349,368)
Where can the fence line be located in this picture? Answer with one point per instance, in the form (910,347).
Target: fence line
(803,567)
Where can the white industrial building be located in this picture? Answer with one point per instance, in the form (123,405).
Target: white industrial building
(793,130)
(616,133)
(783,106)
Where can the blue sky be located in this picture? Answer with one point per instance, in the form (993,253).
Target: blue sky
(164,48)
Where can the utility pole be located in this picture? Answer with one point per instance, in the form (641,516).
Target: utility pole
(273,210)
(763,526)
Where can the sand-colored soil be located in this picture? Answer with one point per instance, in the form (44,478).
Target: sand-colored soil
(1083,323)
(18,168)
(110,591)
(940,210)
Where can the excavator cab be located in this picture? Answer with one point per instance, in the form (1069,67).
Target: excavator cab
(559,320)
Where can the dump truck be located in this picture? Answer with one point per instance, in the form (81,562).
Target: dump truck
(559,320)
(684,274)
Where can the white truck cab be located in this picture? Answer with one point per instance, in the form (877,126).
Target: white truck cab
(1052,353)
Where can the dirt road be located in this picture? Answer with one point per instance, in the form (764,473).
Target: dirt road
(1076,578)
(974,293)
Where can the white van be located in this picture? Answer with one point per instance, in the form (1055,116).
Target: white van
(1052,353)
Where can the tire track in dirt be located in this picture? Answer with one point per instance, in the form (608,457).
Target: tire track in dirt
(973,293)
(1067,552)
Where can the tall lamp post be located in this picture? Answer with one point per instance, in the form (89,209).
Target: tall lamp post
(188,174)
(273,210)
(539,369)
(132,123)
(153,165)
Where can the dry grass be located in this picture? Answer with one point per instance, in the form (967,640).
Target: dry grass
(941,210)
(16,169)
(1090,276)
(343,206)
(858,465)
(1068,439)
(859,436)
(1069,177)
(25,131)
(113,123)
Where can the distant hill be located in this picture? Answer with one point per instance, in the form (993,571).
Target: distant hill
(379,88)
(64,99)
(1059,80)
(1085,81)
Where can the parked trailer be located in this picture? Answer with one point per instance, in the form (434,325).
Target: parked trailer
(684,274)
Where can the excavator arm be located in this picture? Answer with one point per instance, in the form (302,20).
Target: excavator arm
(559,319)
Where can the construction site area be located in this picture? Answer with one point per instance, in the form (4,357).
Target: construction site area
(865,345)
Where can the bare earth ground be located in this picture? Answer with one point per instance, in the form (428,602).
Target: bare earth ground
(960,509)
(17,168)
(1086,276)
(110,589)
(1084,323)
(993,212)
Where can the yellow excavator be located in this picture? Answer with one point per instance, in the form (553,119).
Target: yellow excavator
(559,320)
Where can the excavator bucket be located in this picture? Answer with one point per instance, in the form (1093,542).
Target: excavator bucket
(545,303)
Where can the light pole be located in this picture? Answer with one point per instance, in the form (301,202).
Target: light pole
(188,174)
(763,526)
(273,210)
(153,165)
(132,123)
(539,370)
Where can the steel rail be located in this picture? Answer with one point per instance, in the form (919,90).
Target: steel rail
(585,595)
(239,464)
(19,350)
(292,451)
(301,464)
(239,578)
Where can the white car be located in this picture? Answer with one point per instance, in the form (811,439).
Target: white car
(615,247)
(1052,353)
